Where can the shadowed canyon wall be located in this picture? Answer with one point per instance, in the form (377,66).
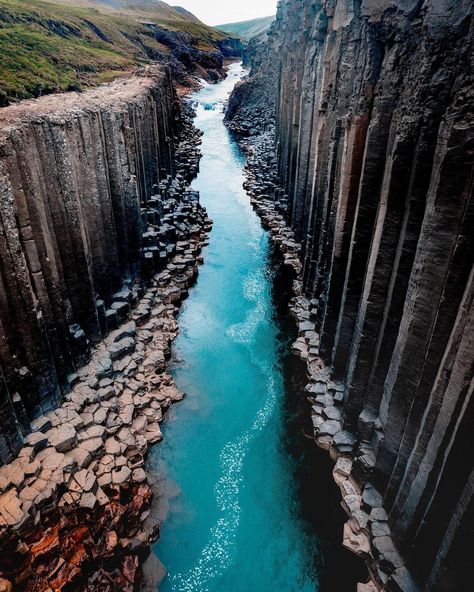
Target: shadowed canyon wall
(79,176)
(375,141)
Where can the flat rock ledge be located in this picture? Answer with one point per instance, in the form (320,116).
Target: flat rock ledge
(366,532)
(75,505)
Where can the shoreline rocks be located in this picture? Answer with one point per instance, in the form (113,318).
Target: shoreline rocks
(75,503)
(366,533)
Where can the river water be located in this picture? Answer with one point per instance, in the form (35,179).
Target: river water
(232,510)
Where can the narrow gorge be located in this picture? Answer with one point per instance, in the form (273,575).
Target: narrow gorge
(236,325)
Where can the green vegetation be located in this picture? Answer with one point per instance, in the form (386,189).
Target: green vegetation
(246,30)
(48,46)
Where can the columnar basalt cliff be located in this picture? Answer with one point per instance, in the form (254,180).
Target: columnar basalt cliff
(101,236)
(375,146)
(79,175)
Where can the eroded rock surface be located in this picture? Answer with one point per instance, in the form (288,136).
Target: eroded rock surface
(87,215)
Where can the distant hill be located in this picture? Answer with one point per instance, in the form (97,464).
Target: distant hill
(246,30)
(54,45)
(189,15)
(145,8)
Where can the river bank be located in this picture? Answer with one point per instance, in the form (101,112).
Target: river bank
(366,533)
(75,503)
(232,467)
(236,486)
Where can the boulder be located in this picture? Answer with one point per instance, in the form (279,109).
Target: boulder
(88,501)
(127,330)
(63,438)
(139,476)
(83,481)
(121,475)
(113,447)
(94,446)
(11,509)
(41,424)
(356,543)
(371,497)
(121,348)
(330,428)
(104,366)
(82,457)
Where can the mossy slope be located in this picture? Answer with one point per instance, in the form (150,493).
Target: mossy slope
(246,30)
(50,46)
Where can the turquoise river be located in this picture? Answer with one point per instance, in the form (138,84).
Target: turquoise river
(230,498)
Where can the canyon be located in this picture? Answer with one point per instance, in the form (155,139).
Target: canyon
(322,357)
(77,175)
(243,411)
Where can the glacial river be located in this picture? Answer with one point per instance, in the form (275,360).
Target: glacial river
(231,505)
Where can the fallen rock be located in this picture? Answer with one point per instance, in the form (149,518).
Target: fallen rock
(371,497)
(357,543)
(121,475)
(121,348)
(63,438)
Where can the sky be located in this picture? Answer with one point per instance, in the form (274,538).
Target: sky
(218,12)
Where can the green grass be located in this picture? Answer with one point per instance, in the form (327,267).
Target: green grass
(34,61)
(49,47)
(245,30)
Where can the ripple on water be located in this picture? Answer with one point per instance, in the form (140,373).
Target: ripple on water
(219,552)
(223,454)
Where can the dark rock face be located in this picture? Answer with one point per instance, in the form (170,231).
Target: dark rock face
(230,47)
(81,177)
(375,150)
(187,60)
(75,511)
(251,107)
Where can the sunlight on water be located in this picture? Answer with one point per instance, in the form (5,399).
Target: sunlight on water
(219,552)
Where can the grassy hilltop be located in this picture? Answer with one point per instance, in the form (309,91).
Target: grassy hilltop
(53,45)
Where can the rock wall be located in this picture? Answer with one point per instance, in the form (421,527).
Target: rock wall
(75,503)
(251,107)
(81,177)
(189,59)
(375,147)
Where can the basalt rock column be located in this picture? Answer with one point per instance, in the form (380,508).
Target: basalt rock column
(76,175)
(75,503)
(375,146)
